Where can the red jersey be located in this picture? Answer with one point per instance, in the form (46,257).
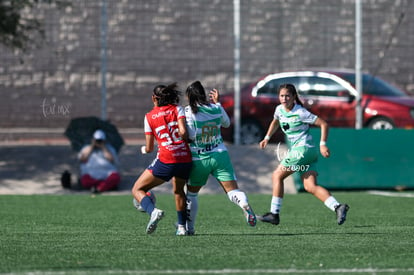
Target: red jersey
(162,123)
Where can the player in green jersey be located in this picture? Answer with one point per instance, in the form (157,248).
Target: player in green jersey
(294,120)
(204,120)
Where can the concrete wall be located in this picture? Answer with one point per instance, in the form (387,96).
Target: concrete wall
(161,41)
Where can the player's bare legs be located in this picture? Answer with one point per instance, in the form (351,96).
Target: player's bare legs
(229,185)
(239,198)
(311,186)
(144,183)
(179,193)
(278,178)
(234,194)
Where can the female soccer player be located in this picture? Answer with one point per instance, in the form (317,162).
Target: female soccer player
(294,120)
(210,156)
(165,123)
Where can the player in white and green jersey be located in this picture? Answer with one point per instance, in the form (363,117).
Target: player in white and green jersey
(302,156)
(204,130)
(210,157)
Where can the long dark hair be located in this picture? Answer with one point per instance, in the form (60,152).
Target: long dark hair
(166,95)
(196,96)
(292,90)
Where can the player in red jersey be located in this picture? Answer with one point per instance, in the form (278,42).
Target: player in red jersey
(166,124)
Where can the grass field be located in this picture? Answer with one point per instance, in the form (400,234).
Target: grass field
(83,234)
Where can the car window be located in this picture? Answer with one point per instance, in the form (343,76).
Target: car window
(319,86)
(374,86)
(271,87)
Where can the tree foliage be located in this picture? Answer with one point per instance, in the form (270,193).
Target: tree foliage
(17,30)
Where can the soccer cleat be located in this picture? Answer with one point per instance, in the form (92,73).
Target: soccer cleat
(190,232)
(341,211)
(180,230)
(270,218)
(250,216)
(156,216)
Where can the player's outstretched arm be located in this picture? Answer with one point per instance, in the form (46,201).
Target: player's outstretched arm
(270,131)
(324,137)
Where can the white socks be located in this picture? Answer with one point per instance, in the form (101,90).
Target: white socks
(331,203)
(192,209)
(238,197)
(276,205)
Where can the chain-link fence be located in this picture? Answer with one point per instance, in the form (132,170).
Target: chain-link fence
(163,41)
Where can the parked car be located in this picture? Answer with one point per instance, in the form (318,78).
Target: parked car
(330,94)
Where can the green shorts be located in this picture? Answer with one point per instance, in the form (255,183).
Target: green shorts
(217,164)
(301,159)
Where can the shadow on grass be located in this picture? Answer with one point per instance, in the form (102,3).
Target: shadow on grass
(286,234)
(43,166)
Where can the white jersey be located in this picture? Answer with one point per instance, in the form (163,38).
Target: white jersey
(204,129)
(295,124)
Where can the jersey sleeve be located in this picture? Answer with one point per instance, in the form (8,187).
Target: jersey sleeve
(225,120)
(180,112)
(147,127)
(189,119)
(307,117)
(276,114)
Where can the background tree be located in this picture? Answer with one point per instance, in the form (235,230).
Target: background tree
(16,30)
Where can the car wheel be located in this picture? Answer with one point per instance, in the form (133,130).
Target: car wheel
(251,132)
(381,123)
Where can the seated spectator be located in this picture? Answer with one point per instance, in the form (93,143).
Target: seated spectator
(99,165)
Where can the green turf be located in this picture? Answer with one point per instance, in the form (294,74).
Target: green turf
(83,234)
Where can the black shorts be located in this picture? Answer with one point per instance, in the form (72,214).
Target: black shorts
(166,171)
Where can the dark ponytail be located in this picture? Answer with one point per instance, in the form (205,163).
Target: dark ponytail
(292,90)
(196,96)
(166,95)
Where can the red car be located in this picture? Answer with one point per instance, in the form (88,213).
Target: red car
(329,94)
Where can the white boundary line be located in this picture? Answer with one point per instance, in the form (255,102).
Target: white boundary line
(391,194)
(226,271)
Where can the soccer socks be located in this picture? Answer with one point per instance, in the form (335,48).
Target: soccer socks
(147,204)
(331,203)
(182,217)
(192,209)
(238,197)
(276,205)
